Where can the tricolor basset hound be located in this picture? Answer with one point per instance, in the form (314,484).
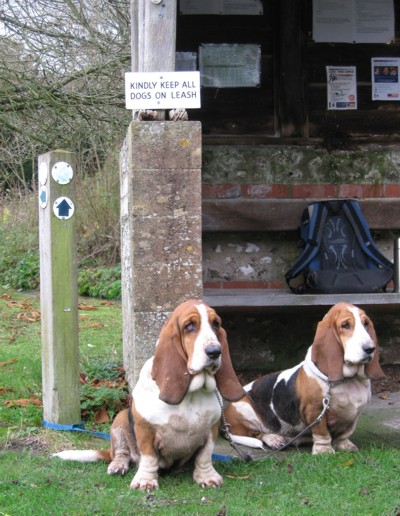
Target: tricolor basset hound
(336,372)
(175,412)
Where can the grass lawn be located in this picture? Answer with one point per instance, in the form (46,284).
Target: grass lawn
(33,483)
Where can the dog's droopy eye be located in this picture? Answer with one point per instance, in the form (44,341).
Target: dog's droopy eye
(190,327)
(216,324)
(346,325)
(366,323)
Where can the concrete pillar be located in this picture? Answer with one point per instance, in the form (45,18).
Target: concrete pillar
(160,231)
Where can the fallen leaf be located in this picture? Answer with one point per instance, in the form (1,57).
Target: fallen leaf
(244,477)
(86,307)
(290,468)
(29,316)
(3,390)
(9,362)
(106,303)
(23,402)
(348,463)
(25,305)
(5,296)
(95,325)
(101,416)
(363,492)
(383,395)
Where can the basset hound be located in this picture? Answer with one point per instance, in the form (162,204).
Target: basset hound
(335,374)
(174,412)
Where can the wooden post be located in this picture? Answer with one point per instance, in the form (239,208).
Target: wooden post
(292,79)
(58,288)
(153,37)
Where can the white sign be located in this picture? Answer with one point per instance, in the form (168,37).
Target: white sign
(162,90)
(63,208)
(385,78)
(62,173)
(342,87)
(353,21)
(43,173)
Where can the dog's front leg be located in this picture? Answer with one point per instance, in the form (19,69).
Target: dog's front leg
(322,440)
(342,442)
(204,473)
(147,474)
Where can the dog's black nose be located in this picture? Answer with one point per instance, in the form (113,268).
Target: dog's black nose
(213,351)
(368,349)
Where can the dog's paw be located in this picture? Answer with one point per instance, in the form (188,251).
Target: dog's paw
(212,479)
(274,441)
(322,448)
(118,467)
(346,445)
(148,484)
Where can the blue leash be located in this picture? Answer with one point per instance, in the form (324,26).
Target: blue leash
(75,428)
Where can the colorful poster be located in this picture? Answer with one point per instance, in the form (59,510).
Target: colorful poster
(341,87)
(385,78)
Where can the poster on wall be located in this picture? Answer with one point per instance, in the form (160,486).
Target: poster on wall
(385,78)
(353,21)
(341,87)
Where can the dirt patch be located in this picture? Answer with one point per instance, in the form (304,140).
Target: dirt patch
(41,442)
(391,382)
(37,445)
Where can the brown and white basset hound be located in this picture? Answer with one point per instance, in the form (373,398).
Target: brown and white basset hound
(175,412)
(336,372)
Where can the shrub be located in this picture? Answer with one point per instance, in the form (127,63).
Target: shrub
(103,283)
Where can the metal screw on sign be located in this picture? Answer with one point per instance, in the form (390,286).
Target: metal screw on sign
(156,1)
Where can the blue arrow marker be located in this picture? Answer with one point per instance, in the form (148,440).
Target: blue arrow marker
(43,196)
(64,209)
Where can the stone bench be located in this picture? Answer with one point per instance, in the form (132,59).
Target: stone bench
(266,214)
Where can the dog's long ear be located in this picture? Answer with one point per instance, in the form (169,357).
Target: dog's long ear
(373,370)
(227,382)
(170,364)
(327,352)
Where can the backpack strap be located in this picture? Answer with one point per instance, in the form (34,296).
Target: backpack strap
(352,209)
(316,224)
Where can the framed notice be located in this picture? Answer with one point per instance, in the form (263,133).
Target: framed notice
(353,21)
(385,78)
(341,87)
(230,65)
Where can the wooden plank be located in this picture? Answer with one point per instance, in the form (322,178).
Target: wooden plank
(276,300)
(153,37)
(58,292)
(285,214)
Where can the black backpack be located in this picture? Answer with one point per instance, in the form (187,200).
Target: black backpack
(339,255)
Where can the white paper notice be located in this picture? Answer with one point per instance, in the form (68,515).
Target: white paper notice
(342,87)
(353,21)
(385,78)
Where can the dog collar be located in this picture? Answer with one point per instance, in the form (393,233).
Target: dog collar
(309,365)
